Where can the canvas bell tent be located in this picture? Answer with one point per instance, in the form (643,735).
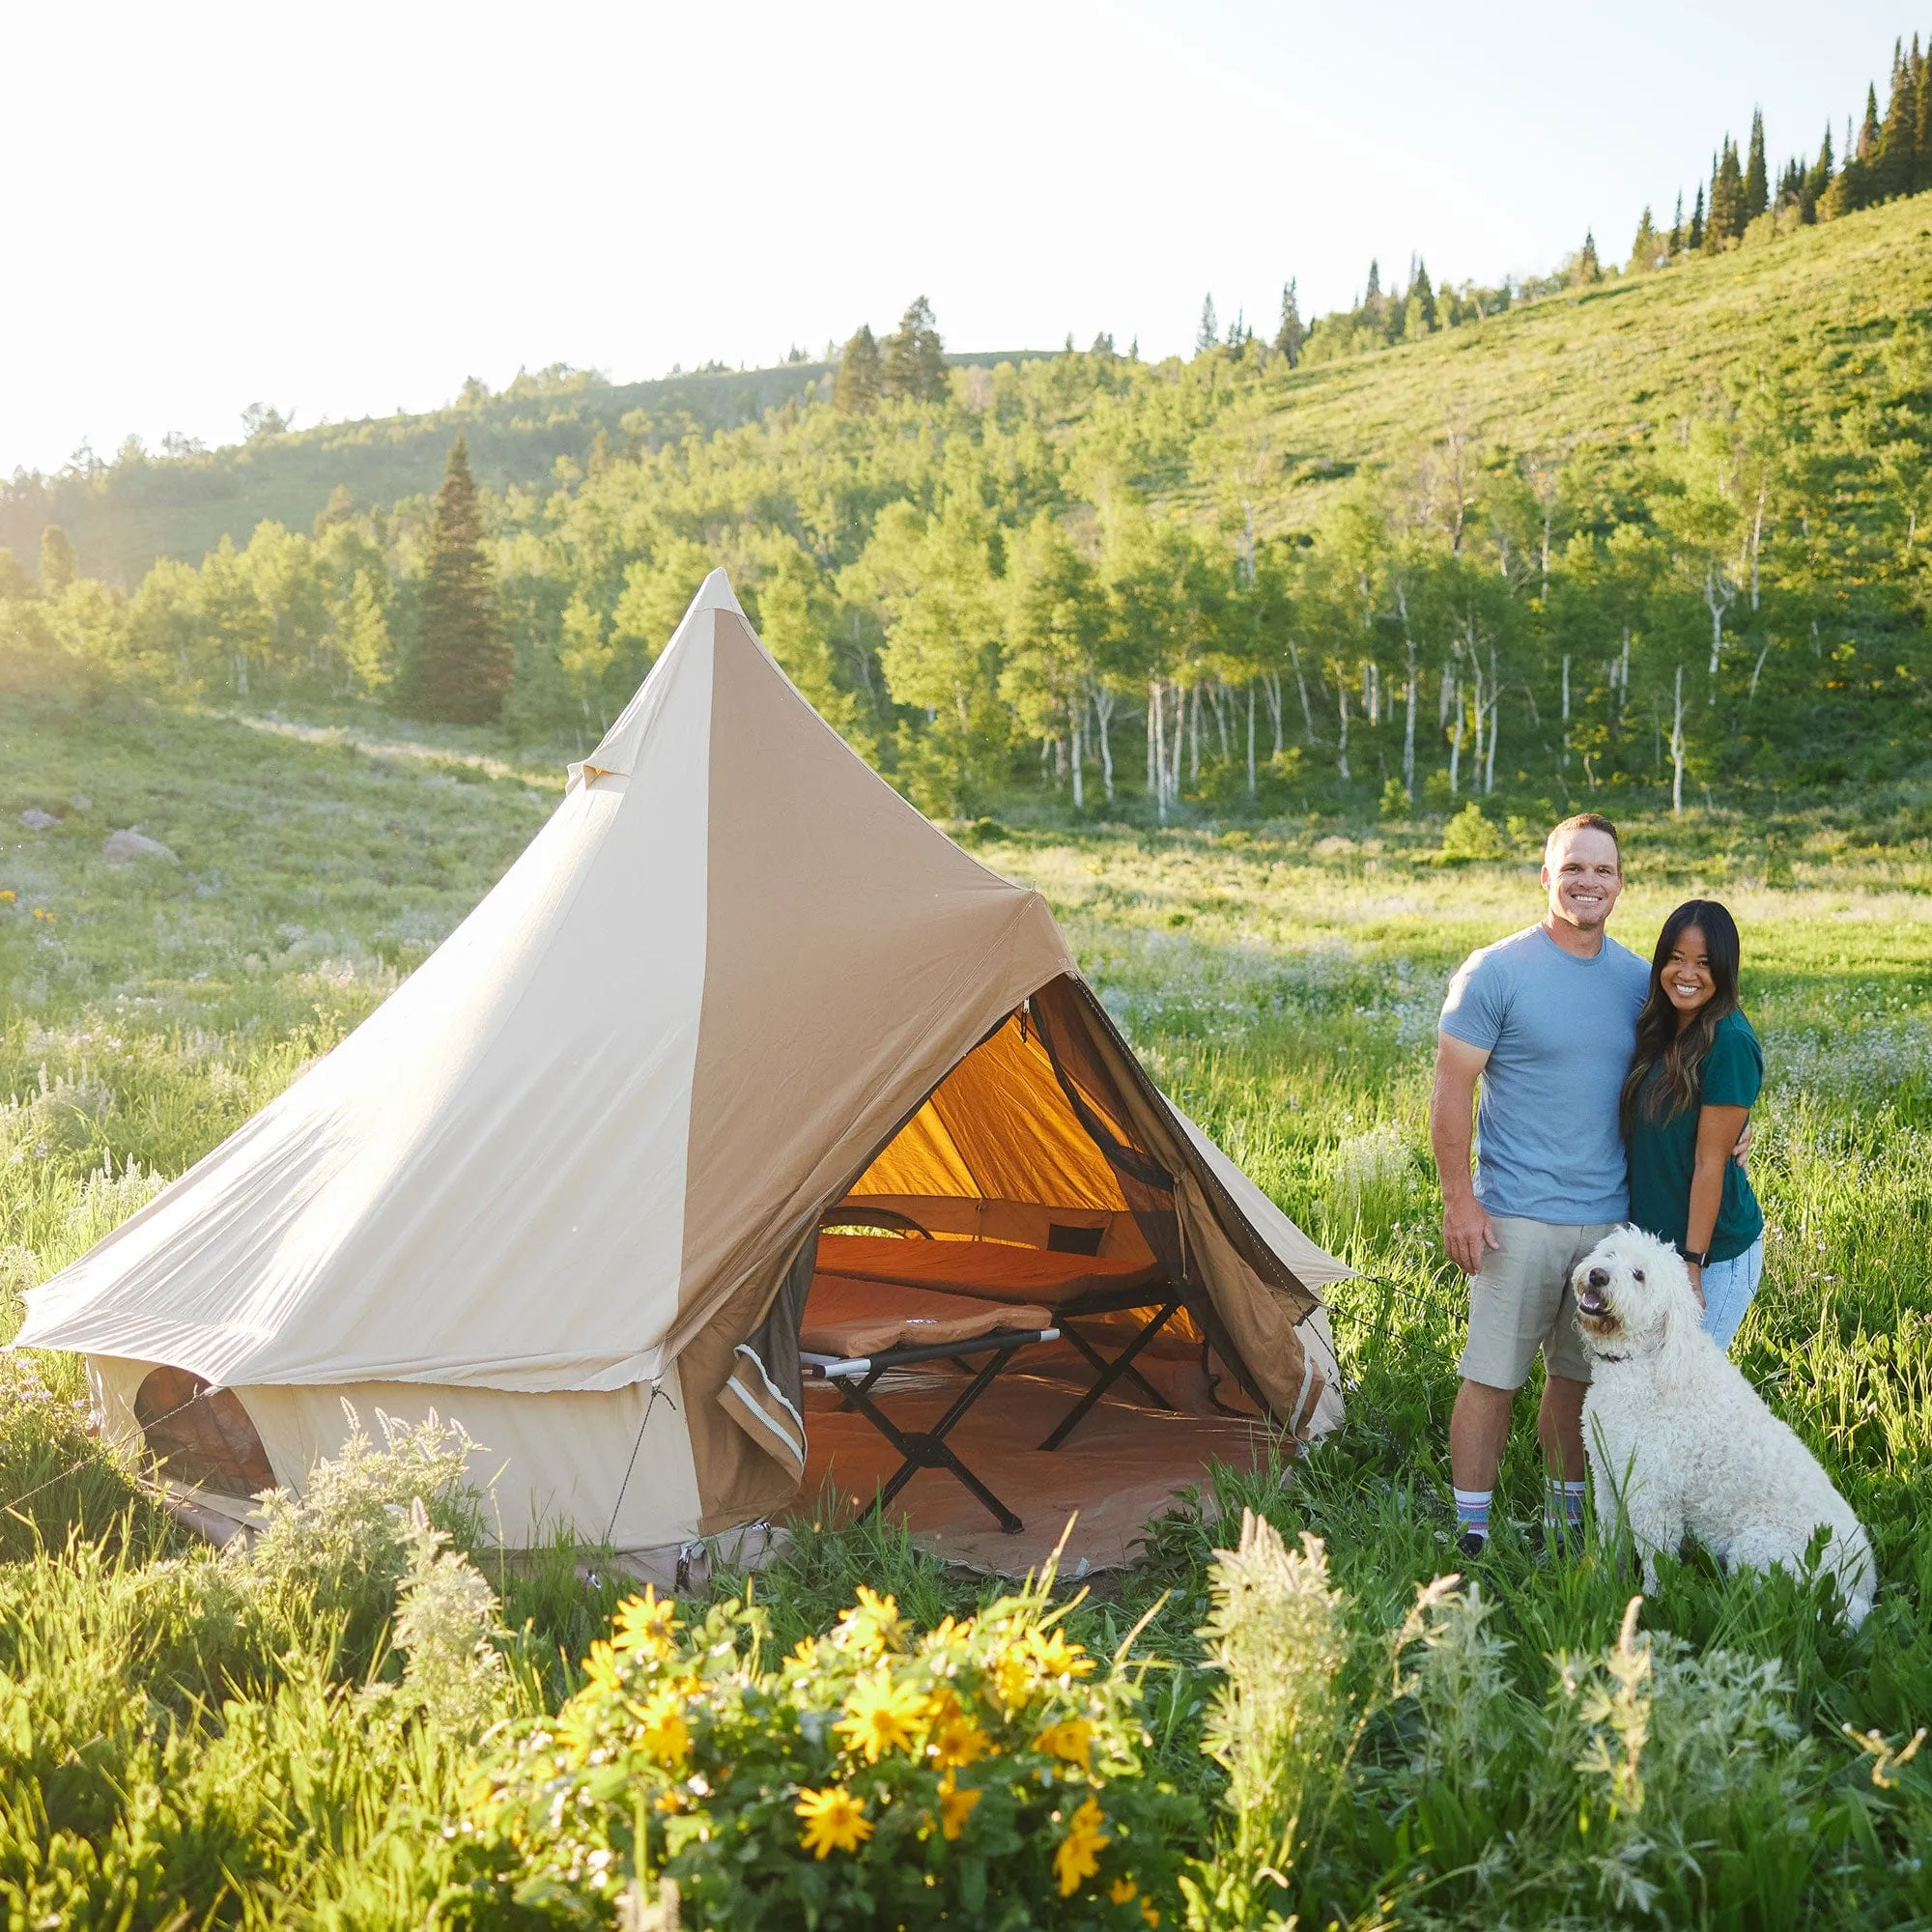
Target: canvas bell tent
(566,1187)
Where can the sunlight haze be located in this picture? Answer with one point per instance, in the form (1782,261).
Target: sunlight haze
(342,213)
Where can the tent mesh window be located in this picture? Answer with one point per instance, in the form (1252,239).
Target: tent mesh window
(201,1435)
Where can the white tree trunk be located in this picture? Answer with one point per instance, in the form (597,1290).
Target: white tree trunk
(1496,720)
(1251,741)
(1414,694)
(1302,685)
(1677,748)
(1077,710)
(1271,696)
(1155,768)
(1342,754)
(1103,723)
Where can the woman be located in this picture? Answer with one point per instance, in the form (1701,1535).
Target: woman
(1698,1069)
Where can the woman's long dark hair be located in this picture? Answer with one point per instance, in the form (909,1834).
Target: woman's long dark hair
(1659,1043)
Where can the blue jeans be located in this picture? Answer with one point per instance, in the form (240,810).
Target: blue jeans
(1728,1288)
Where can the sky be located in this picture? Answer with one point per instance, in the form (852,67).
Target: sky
(345,210)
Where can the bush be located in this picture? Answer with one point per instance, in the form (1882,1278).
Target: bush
(988,1775)
(1471,835)
(1397,804)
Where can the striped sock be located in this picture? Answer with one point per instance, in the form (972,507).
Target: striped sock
(1473,1512)
(1563,1508)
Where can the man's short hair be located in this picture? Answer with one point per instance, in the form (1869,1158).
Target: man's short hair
(1586,821)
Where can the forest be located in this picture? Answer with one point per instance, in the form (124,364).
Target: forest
(1654,531)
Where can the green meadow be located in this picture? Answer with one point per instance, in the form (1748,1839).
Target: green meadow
(190,1739)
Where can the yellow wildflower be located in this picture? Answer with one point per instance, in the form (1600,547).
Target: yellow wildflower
(881,1716)
(41,912)
(955,1806)
(1078,1855)
(1012,1679)
(805,1653)
(661,1733)
(1122,1890)
(835,1821)
(1148,1912)
(601,1668)
(7,895)
(1056,1657)
(872,1624)
(645,1625)
(956,1739)
(1071,1740)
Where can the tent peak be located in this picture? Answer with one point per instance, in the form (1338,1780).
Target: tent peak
(715,594)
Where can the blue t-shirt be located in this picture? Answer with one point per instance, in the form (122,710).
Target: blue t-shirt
(1559,1032)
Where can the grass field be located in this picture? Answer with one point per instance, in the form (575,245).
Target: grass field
(187,1740)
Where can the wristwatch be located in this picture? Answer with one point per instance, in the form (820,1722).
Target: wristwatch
(1701,1258)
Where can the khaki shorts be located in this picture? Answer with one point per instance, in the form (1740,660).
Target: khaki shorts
(1522,1303)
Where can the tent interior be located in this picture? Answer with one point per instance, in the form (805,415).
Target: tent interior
(996,1190)
(1017,1196)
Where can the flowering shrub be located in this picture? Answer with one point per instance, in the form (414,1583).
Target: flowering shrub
(987,1773)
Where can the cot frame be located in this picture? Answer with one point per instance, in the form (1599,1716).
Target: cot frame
(855,1376)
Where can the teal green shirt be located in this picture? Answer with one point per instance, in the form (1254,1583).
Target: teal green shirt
(1664,1153)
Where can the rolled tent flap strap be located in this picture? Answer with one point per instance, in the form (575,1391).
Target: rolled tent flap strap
(761,1410)
(764,1393)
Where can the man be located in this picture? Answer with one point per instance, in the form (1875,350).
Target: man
(1546,1020)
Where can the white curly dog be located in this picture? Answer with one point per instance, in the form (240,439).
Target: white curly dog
(1684,1443)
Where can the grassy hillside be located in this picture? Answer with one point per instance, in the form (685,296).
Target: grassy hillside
(1600,367)
(1821,311)
(1660,537)
(136,511)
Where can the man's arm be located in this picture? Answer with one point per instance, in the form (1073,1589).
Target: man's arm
(1466,1232)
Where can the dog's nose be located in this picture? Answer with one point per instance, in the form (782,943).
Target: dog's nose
(1598,1278)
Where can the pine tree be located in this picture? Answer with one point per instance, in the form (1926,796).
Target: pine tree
(58,563)
(1209,335)
(1894,164)
(915,367)
(1648,246)
(462,669)
(1922,142)
(1757,197)
(1290,337)
(1694,241)
(1724,222)
(1419,311)
(1374,290)
(1817,181)
(856,387)
(1587,269)
(1677,228)
(1853,189)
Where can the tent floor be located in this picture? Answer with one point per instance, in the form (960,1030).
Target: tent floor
(1120,1468)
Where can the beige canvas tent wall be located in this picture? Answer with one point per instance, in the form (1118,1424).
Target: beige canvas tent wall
(551,1188)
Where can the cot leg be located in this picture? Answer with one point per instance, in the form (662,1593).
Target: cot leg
(927,1449)
(1117,1366)
(1099,1362)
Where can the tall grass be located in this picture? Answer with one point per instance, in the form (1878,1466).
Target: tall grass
(181,1734)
